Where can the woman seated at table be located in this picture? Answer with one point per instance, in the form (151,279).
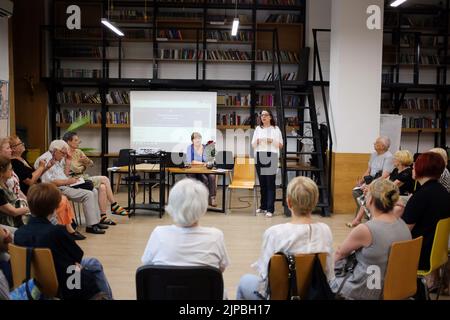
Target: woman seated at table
(196,155)
(76,167)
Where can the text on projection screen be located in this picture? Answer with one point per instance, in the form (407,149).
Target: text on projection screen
(166,119)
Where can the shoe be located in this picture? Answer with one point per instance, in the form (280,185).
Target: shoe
(101,226)
(269,214)
(77,236)
(94,229)
(260,211)
(213,202)
(106,221)
(118,210)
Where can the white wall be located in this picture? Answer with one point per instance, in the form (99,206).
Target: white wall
(355,76)
(4,67)
(318,16)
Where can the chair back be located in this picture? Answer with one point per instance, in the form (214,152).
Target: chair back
(244,171)
(400,280)
(124,158)
(42,268)
(179,283)
(439,250)
(278,274)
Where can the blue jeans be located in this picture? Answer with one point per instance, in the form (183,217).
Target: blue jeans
(249,285)
(96,269)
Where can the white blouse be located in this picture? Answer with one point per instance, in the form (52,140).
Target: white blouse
(271,132)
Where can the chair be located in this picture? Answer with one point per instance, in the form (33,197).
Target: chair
(124,160)
(400,280)
(243,178)
(42,268)
(278,274)
(439,254)
(178,283)
(77,211)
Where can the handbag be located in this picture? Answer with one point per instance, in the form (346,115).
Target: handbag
(292,278)
(319,288)
(86,185)
(29,289)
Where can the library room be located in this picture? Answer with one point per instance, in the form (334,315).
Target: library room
(225,150)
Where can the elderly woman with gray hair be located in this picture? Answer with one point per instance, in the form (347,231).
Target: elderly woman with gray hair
(186,243)
(381,165)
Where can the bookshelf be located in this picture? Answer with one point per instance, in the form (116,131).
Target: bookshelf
(90,71)
(415,67)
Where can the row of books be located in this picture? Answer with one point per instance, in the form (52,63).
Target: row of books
(422,104)
(233,100)
(171,34)
(231,119)
(226,36)
(69,116)
(279,2)
(78,73)
(283,18)
(285,56)
(118,117)
(129,14)
(230,54)
(386,78)
(292,121)
(422,122)
(408,41)
(423,59)
(285,76)
(118,97)
(77,97)
(180,54)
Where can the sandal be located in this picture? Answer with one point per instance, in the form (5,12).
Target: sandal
(118,210)
(107,221)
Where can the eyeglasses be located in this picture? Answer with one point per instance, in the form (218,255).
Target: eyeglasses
(265,115)
(18,144)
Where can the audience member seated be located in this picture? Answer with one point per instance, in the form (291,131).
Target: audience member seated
(402,177)
(186,243)
(301,235)
(445,176)
(28,176)
(380,165)
(11,213)
(77,165)
(5,266)
(55,174)
(13,183)
(43,199)
(429,204)
(371,243)
(196,155)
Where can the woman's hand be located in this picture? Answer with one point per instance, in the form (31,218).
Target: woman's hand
(71,181)
(269,140)
(42,164)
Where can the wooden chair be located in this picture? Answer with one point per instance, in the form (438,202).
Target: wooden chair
(278,274)
(42,268)
(243,178)
(400,280)
(439,253)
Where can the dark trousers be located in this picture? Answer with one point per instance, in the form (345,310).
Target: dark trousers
(266,168)
(209,180)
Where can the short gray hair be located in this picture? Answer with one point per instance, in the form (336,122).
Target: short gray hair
(58,145)
(188,202)
(386,141)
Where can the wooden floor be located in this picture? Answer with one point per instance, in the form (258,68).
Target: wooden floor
(121,248)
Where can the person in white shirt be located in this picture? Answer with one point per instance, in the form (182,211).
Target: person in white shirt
(301,235)
(186,243)
(56,153)
(267,142)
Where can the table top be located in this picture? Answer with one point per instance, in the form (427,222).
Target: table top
(154,167)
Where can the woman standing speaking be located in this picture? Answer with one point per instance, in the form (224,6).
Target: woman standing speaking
(267,141)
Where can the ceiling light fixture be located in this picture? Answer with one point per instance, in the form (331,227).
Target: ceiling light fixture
(396,3)
(235,26)
(107,23)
